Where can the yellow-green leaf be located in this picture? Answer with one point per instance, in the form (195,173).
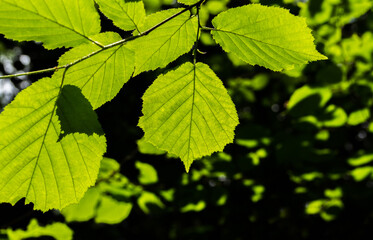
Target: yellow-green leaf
(266,36)
(49,155)
(56,23)
(188,113)
(166,43)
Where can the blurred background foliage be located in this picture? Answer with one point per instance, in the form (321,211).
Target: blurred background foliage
(301,166)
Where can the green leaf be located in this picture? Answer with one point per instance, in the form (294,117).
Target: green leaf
(359,174)
(361,159)
(188,2)
(49,164)
(189,113)
(167,42)
(359,116)
(85,209)
(125,15)
(266,36)
(334,116)
(56,23)
(148,174)
(149,201)
(57,230)
(111,211)
(307,100)
(101,76)
(105,202)
(148,148)
(195,207)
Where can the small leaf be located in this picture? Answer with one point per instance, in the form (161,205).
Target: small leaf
(148,148)
(307,100)
(148,201)
(166,43)
(56,23)
(189,113)
(57,230)
(361,159)
(188,2)
(39,162)
(111,211)
(85,209)
(101,76)
(359,116)
(148,174)
(266,36)
(125,15)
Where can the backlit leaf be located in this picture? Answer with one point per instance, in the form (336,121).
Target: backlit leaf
(127,15)
(266,36)
(101,76)
(56,23)
(189,113)
(188,2)
(166,43)
(48,163)
(57,230)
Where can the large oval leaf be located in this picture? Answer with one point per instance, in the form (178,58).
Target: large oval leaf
(51,146)
(266,36)
(189,113)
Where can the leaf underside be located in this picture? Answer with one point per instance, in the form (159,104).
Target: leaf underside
(266,36)
(57,23)
(189,113)
(48,165)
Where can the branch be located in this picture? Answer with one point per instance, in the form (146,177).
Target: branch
(121,42)
(208,28)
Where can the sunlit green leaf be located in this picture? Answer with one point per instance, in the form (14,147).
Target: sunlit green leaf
(148,174)
(188,2)
(127,15)
(111,211)
(306,100)
(258,193)
(148,201)
(85,209)
(195,207)
(100,202)
(56,23)
(361,159)
(166,43)
(101,76)
(148,148)
(334,116)
(333,193)
(48,163)
(358,117)
(189,113)
(267,36)
(58,231)
(314,207)
(359,174)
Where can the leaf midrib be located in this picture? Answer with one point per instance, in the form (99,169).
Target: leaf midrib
(256,40)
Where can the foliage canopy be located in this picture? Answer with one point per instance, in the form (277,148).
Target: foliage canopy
(187,112)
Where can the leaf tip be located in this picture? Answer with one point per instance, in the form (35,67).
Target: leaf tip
(187,165)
